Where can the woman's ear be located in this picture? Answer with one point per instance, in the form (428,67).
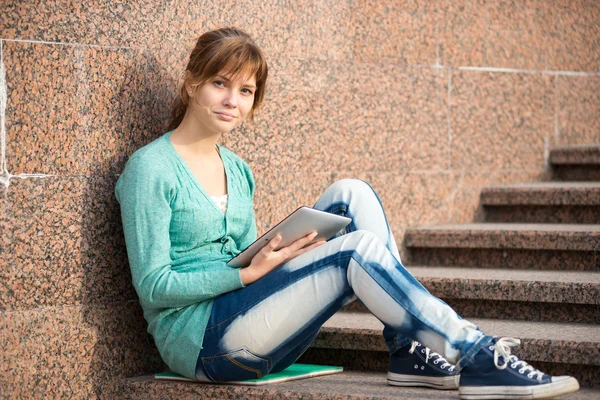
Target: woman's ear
(186,84)
(189,89)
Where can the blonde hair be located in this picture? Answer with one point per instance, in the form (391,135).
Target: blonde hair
(225,50)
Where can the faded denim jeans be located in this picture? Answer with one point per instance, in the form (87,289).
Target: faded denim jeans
(266,326)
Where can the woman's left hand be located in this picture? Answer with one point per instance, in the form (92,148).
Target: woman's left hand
(267,259)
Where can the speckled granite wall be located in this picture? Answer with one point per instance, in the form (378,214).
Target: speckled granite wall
(428,101)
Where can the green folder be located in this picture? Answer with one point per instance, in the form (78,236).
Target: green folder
(291,373)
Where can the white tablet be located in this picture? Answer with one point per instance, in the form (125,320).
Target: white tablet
(296,225)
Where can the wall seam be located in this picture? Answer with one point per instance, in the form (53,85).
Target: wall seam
(548,135)
(34,175)
(527,71)
(546,152)
(437,171)
(448,119)
(69,306)
(437,33)
(4,175)
(464,68)
(345,171)
(71,44)
(449,125)
(468,68)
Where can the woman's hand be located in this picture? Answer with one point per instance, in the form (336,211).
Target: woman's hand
(267,259)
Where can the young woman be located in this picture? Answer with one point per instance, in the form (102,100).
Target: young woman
(186,206)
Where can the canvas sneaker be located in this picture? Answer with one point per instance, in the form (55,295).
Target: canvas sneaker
(417,365)
(495,373)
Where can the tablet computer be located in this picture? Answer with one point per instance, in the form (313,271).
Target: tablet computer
(296,225)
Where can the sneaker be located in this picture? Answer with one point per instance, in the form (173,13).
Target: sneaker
(419,366)
(495,373)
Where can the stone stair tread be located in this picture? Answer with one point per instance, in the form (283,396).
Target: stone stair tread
(573,287)
(575,154)
(543,193)
(349,385)
(486,227)
(548,185)
(589,333)
(506,235)
(498,274)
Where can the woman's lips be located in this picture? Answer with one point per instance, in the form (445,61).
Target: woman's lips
(225,116)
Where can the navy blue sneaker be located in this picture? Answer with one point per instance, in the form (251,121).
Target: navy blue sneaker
(495,373)
(417,365)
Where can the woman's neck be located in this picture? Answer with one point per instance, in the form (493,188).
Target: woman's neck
(193,139)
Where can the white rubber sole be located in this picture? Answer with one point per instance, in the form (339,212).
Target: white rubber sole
(442,383)
(561,385)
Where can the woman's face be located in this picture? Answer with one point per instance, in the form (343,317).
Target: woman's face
(222,103)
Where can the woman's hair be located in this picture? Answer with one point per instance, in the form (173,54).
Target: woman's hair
(228,50)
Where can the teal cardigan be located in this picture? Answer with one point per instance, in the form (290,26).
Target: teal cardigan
(178,243)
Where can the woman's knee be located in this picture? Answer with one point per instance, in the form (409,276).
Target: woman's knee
(368,247)
(348,184)
(346,192)
(363,239)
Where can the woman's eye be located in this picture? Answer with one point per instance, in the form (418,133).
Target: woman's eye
(219,83)
(247,91)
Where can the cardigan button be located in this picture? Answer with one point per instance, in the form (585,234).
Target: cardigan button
(226,243)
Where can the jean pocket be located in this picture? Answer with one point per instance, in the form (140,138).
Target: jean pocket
(237,365)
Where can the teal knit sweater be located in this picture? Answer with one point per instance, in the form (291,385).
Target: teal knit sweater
(178,243)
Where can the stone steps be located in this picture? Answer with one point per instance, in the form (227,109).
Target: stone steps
(505,245)
(349,385)
(585,154)
(546,202)
(541,341)
(559,296)
(528,271)
(507,236)
(557,348)
(514,285)
(576,163)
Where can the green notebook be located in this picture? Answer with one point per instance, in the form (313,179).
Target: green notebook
(291,373)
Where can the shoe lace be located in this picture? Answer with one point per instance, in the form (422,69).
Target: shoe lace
(431,354)
(502,349)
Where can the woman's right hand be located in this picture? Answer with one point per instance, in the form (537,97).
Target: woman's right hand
(267,259)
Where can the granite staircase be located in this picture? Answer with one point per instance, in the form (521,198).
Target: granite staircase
(529,269)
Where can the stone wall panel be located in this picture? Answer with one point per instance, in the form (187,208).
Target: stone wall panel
(578,108)
(500,121)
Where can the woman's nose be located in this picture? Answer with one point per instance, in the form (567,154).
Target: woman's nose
(230,99)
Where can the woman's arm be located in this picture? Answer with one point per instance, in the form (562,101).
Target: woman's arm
(144,192)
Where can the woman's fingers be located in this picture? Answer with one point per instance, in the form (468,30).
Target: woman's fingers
(291,250)
(268,259)
(273,243)
(300,243)
(312,246)
(307,248)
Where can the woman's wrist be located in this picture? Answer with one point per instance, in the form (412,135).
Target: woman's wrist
(248,275)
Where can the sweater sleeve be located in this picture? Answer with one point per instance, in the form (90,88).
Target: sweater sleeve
(144,192)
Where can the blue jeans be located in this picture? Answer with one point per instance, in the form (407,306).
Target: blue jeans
(266,326)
